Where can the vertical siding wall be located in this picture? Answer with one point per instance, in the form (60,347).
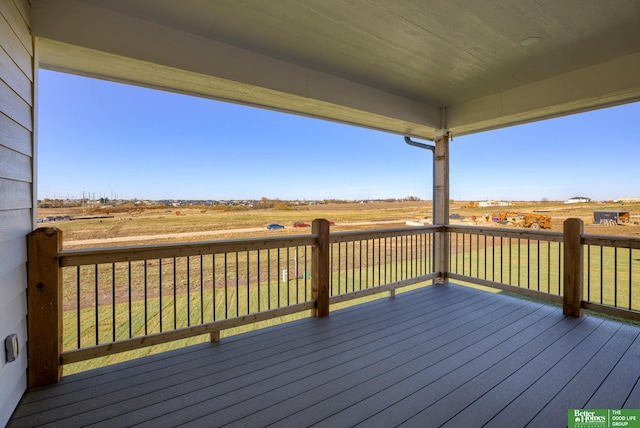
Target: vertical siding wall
(16,190)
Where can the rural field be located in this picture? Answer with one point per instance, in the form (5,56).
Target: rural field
(125,226)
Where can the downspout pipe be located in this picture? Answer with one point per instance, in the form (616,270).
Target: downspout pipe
(410,142)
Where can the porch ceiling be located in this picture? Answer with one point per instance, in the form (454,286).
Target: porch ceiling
(396,65)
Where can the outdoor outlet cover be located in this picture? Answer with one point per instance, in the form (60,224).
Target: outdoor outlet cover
(11,347)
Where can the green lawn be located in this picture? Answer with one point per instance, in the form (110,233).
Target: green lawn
(611,277)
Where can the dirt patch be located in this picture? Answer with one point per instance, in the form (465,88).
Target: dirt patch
(168,224)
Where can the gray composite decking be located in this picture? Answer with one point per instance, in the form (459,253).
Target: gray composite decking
(441,355)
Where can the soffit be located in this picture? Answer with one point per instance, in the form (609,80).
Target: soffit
(402,66)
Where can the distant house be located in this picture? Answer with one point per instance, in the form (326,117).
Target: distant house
(494,204)
(577,200)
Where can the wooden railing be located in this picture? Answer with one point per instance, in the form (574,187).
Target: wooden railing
(611,275)
(369,262)
(577,270)
(85,304)
(89,303)
(516,260)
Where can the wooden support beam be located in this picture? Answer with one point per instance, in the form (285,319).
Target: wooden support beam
(320,269)
(573,267)
(45,307)
(441,203)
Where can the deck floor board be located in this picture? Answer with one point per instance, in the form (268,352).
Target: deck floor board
(615,391)
(442,355)
(591,377)
(406,377)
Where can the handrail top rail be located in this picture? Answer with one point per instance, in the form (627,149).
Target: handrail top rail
(611,241)
(542,235)
(587,238)
(77,257)
(84,256)
(379,233)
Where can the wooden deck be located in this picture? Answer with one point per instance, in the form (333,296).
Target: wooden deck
(443,355)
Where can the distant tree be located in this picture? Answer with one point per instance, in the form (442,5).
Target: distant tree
(280,205)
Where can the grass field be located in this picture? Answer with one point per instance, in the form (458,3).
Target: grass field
(611,277)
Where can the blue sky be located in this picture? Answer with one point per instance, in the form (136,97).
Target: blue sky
(114,140)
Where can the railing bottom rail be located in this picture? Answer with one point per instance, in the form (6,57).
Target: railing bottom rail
(381,289)
(508,288)
(212,328)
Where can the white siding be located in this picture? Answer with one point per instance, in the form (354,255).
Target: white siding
(16,191)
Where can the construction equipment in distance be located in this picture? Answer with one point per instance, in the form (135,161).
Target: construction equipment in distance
(611,218)
(529,220)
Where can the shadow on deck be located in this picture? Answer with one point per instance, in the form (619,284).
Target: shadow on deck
(441,355)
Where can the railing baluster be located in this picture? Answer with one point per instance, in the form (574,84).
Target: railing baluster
(493,258)
(96,309)
(278,277)
(146,331)
(615,276)
(129,299)
(396,261)
(379,262)
(477,255)
(630,278)
(226,288)
(159,292)
(548,267)
(588,279)
(306,269)
(347,269)
(353,265)
(201,290)
(510,259)
(78,312)
(361,265)
(560,266)
(175,296)
(247,275)
(113,301)
(259,280)
(214,290)
(630,274)
(601,275)
(538,265)
(530,265)
(188,290)
(237,273)
(501,258)
(519,260)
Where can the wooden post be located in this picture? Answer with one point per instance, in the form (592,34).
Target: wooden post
(573,267)
(320,268)
(44,318)
(441,198)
